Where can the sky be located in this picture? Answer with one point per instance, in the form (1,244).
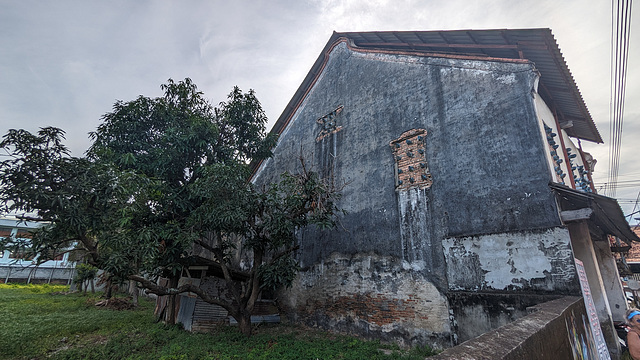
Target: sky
(65,63)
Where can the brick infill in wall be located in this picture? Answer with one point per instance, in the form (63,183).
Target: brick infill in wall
(328,124)
(377,309)
(411,168)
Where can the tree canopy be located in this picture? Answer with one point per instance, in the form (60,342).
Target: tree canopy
(163,177)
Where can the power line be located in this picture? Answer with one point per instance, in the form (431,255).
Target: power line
(618,185)
(635,205)
(620,34)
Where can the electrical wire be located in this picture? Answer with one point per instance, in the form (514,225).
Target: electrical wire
(619,185)
(635,205)
(620,34)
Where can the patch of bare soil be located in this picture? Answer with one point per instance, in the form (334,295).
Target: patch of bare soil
(55,293)
(116,303)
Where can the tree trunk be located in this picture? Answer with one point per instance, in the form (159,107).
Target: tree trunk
(244,323)
(93,287)
(107,293)
(85,286)
(171,302)
(133,291)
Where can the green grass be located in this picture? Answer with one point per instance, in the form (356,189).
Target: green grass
(42,322)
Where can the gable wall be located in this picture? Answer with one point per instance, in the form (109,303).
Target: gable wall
(484,152)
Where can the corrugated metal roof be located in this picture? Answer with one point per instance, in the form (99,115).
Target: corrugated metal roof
(557,85)
(607,214)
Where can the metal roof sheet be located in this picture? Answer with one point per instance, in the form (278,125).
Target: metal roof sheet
(607,214)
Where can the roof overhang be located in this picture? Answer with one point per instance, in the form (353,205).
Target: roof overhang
(606,216)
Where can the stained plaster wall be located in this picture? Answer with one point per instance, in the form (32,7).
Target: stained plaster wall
(533,259)
(495,277)
(481,124)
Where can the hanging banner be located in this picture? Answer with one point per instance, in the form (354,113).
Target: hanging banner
(597,339)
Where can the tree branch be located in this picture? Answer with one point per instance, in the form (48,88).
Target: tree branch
(283,253)
(219,255)
(54,256)
(218,263)
(153,288)
(253,286)
(31,218)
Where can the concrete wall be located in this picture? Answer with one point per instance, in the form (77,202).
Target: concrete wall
(376,296)
(494,278)
(486,157)
(546,333)
(539,260)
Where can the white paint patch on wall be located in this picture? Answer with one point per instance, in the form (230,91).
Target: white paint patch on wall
(509,260)
(524,260)
(507,79)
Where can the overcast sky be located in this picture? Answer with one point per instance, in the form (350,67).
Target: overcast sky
(64,63)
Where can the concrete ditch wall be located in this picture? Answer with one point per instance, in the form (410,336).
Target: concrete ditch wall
(546,333)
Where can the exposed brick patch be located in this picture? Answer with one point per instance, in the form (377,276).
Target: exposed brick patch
(409,152)
(376,309)
(328,123)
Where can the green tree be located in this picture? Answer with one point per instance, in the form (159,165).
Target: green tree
(74,197)
(85,275)
(238,222)
(163,175)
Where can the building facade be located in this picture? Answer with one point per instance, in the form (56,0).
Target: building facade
(466,196)
(19,267)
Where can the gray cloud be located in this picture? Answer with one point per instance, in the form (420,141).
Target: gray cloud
(64,63)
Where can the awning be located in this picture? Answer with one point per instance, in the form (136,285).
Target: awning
(607,216)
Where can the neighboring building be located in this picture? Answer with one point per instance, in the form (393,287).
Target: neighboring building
(633,256)
(467,197)
(18,267)
(629,259)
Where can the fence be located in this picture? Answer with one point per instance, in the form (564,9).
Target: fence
(37,274)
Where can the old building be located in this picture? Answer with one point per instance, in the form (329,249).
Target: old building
(467,195)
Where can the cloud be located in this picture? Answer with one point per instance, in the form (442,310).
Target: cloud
(65,62)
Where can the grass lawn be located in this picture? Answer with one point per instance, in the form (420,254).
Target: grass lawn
(42,322)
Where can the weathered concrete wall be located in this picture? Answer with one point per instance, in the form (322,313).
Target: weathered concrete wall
(532,260)
(480,124)
(546,333)
(494,278)
(378,297)
(476,313)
